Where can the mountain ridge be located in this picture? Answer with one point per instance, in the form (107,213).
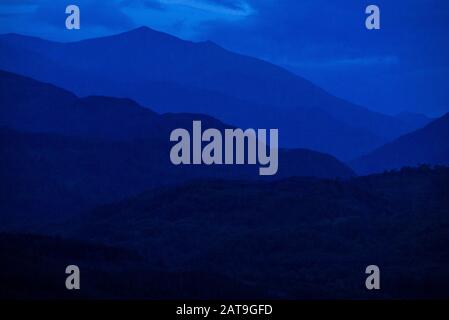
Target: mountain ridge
(118,64)
(428,145)
(94,149)
(242,228)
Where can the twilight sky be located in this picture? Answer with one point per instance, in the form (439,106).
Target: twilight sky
(403,66)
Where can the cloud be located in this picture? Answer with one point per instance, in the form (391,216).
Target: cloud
(366,61)
(148,4)
(46,18)
(94,13)
(232,4)
(16,2)
(225,7)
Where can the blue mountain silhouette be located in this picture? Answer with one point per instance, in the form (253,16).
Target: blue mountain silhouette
(61,153)
(428,145)
(172,75)
(326,229)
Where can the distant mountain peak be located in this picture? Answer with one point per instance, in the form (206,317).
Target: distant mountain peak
(209,43)
(147,32)
(144,30)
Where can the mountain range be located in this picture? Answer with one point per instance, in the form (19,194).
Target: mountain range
(169,74)
(92,150)
(86,179)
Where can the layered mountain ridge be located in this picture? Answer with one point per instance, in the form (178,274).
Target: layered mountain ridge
(173,75)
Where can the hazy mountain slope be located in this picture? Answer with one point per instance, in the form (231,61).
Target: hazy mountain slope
(80,152)
(29,105)
(310,127)
(46,177)
(417,120)
(34,106)
(429,145)
(170,74)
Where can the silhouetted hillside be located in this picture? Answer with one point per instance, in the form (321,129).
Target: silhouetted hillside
(30,105)
(82,152)
(33,267)
(172,75)
(297,238)
(39,107)
(429,145)
(47,176)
